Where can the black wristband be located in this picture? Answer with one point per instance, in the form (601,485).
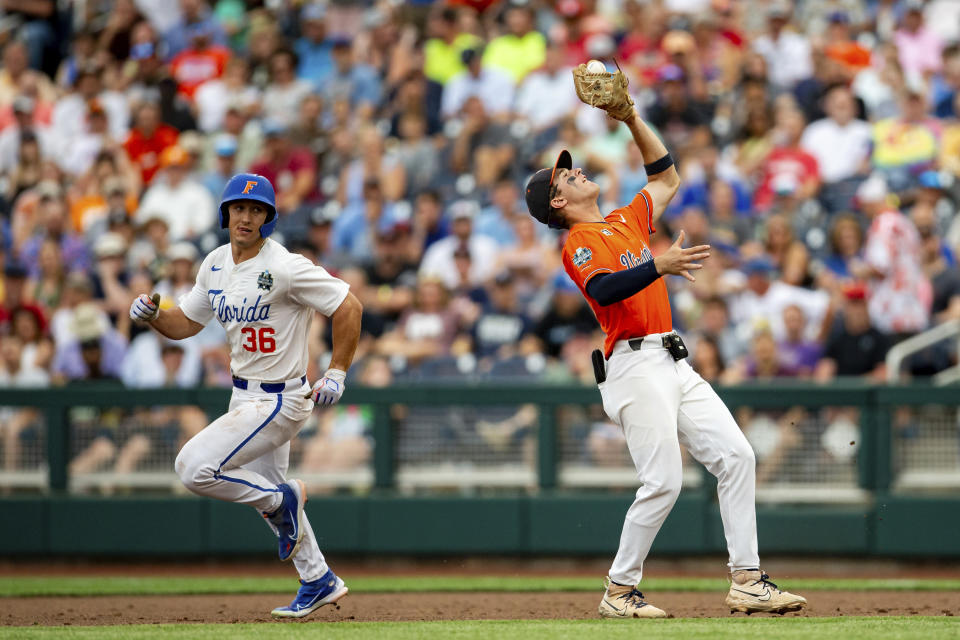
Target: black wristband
(659,166)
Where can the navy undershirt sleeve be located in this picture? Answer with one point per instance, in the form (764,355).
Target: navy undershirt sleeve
(607,288)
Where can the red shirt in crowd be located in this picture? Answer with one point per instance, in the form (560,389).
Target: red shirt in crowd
(281,173)
(191,68)
(144,151)
(785,166)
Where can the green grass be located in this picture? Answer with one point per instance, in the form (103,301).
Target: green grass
(82,586)
(707,629)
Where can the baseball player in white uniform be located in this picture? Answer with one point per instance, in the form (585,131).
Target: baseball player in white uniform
(646,384)
(265,298)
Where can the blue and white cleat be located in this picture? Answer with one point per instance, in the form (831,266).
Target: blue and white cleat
(312,596)
(288,519)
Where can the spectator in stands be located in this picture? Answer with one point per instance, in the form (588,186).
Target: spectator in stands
(840,142)
(900,293)
(214,96)
(427,329)
(438,261)
(225,165)
(522,49)
(919,46)
(203,60)
(51,225)
(356,82)
(682,119)
(195,17)
(707,360)
(788,170)
(313,48)
(493,88)
(442,52)
(285,92)
(546,95)
(787,52)
(24,125)
(15,421)
(798,354)
(846,248)
(906,145)
(764,361)
(566,316)
(147,140)
(95,350)
(502,325)
(185,204)
(290,167)
(763,301)
(429,224)
(855,347)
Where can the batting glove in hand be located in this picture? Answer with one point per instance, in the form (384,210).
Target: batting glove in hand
(145,308)
(329,388)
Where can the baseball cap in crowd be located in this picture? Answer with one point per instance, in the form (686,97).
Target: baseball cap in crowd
(931,180)
(274,128)
(538,187)
(855,291)
(114,186)
(182,251)
(758,266)
(88,323)
(913,5)
(341,41)
(14,269)
(671,73)
(142,51)
(463,209)
(563,284)
(467,55)
(779,9)
(110,245)
(325,213)
(225,145)
(314,12)
(23,104)
(503,278)
(873,189)
(49,190)
(174,156)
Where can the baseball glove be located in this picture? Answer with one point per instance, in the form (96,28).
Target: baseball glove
(607,91)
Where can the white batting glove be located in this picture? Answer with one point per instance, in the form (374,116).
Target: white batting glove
(145,308)
(329,388)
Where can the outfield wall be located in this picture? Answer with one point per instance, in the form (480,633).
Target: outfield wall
(895,492)
(553,524)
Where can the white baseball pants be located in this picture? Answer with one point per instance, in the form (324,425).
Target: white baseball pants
(660,403)
(244,454)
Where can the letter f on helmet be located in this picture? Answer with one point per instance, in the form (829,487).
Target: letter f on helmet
(249,186)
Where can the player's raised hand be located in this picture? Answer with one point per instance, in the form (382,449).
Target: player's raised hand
(678,261)
(329,388)
(145,308)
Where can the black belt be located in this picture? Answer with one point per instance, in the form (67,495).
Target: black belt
(269,387)
(671,342)
(637,343)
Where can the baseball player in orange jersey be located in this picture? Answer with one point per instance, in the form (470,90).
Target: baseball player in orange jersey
(647,386)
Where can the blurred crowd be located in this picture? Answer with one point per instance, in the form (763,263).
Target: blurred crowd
(818,142)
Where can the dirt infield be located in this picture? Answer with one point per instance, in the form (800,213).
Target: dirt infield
(365,607)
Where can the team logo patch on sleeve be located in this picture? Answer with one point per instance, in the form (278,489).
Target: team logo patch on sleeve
(582,256)
(265,281)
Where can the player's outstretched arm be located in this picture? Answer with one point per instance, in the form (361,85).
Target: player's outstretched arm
(661,172)
(171,323)
(345,322)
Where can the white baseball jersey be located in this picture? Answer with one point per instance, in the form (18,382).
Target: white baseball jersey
(265,304)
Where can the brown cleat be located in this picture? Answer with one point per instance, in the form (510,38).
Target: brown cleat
(621,601)
(752,592)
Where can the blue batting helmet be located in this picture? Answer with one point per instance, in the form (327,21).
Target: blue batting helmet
(250,186)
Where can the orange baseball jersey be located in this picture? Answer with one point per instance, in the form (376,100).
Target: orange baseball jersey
(621,242)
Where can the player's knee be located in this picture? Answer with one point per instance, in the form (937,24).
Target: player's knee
(741,455)
(194,474)
(665,486)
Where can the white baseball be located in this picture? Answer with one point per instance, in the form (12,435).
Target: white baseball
(595,66)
